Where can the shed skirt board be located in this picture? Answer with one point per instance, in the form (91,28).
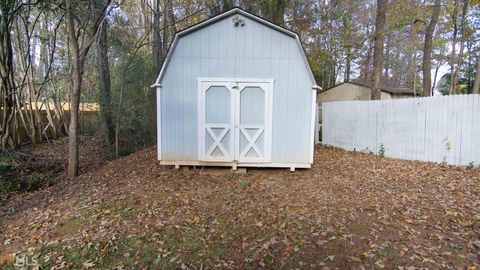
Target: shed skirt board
(235,120)
(234,164)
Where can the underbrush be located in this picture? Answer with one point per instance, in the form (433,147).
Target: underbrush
(21,173)
(24,183)
(27,183)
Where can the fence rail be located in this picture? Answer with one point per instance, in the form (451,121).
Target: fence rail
(438,129)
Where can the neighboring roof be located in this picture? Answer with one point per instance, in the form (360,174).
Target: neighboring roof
(390,90)
(235,10)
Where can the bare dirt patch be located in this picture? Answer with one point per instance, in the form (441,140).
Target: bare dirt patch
(350,210)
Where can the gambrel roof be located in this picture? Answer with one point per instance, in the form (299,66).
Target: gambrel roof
(239,11)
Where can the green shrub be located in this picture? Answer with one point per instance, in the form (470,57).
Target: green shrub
(366,150)
(381,152)
(4,168)
(6,186)
(471,165)
(244,183)
(5,165)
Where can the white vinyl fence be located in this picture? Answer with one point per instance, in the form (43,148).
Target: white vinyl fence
(438,129)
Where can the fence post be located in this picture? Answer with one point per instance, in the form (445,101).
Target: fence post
(317,125)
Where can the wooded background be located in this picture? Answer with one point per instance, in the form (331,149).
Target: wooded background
(109,52)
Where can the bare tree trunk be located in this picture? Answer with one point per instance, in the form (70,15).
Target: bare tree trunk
(387,58)
(411,73)
(169,26)
(365,64)
(278,11)
(117,124)
(348,59)
(435,78)
(248,5)
(396,73)
(454,41)
(76,86)
(470,75)
(78,55)
(157,52)
(144,7)
(104,85)
(347,41)
(378,49)
(476,82)
(456,74)
(7,84)
(171,19)
(427,50)
(365,69)
(29,114)
(157,49)
(165,24)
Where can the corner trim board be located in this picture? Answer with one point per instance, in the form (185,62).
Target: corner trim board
(312,123)
(159,123)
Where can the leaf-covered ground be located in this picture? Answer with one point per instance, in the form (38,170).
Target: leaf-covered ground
(351,210)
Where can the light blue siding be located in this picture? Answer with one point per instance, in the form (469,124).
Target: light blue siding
(221,50)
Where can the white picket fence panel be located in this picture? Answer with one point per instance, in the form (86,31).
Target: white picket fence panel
(318,124)
(438,129)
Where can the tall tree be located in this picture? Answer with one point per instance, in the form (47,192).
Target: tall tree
(171,18)
(79,48)
(378,49)
(476,82)
(274,10)
(459,60)
(454,45)
(169,24)
(347,43)
(427,50)
(7,84)
(158,51)
(103,77)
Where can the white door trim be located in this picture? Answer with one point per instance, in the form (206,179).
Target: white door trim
(203,155)
(266,86)
(204,83)
(238,80)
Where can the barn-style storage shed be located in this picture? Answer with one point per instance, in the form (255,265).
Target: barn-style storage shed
(236,90)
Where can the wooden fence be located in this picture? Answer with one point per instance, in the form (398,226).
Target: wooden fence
(89,121)
(438,129)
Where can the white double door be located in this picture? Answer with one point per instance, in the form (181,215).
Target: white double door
(235,120)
